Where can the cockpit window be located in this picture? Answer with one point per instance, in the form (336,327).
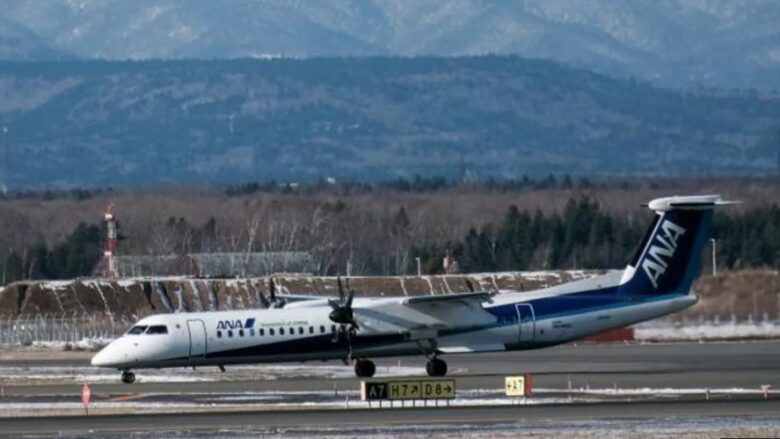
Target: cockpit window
(158,329)
(137,330)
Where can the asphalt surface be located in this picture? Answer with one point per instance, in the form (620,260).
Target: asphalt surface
(687,365)
(682,365)
(389,417)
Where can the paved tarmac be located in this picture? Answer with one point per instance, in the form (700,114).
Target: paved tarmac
(680,365)
(745,365)
(343,419)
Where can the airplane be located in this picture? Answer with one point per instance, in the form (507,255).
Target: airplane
(656,282)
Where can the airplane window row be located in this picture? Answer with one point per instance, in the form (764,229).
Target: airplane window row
(280,331)
(142,329)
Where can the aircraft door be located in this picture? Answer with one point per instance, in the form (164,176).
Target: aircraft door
(526,323)
(197,331)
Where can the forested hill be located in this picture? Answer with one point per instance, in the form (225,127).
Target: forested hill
(129,123)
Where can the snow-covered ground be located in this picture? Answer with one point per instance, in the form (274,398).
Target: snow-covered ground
(85,344)
(297,400)
(677,428)
(706,331)
(64,375)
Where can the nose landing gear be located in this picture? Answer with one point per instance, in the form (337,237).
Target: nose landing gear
(128,377)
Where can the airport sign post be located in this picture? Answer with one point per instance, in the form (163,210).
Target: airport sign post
(407,390)
(373,391)
(518,385)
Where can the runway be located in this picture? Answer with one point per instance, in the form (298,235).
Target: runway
(642,384)
(746,365)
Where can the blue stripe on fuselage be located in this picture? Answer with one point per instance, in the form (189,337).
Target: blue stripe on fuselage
(565,305)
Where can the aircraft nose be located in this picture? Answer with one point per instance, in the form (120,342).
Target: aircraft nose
(100,359)
(107,357)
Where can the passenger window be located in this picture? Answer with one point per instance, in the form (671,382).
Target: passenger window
(219,334)
(261,332)
(292,331)
(271,331)
(332,328)
(311,329)
(158,329)
(300,330)
(322,329)
(252,332)
(230,333)
(241,332)
(137,330)
(281,331)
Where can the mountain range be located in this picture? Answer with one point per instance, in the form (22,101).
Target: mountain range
(109,123)
(678,43)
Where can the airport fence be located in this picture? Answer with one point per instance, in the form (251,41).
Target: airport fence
(90,331)
(73,328)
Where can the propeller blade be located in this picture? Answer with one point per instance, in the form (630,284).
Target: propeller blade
(349,298)
(264,303)
(341,289)
(337,335)
(272,288)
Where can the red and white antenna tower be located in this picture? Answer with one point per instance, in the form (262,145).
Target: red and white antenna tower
(111,243)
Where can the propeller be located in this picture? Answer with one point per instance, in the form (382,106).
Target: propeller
(342,309)
(273,301)
(343,314)
(264,303)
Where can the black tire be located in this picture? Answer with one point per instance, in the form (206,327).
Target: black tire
(436,367)
(365,368)
(128,377)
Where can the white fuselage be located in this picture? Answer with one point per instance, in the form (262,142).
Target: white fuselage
(306,333)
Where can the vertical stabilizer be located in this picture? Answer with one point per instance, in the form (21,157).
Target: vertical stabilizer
(669,257)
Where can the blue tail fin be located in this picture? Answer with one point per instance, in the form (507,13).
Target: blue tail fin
(669,257)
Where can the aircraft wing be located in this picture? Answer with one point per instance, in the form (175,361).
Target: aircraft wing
(479,298)
(302,300)
(423,314)
(298,297)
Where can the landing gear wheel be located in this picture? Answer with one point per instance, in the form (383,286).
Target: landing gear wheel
(364,368)
(128,377)
(436,367)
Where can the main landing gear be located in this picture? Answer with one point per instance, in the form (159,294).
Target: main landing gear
(128,377)
(364,368)
(436,367)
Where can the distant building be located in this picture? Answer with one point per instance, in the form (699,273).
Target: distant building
(209,264)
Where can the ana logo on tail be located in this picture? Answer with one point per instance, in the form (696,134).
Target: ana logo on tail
(661,251)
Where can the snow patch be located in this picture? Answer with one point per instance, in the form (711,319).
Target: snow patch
(706,331)
(85,344)
(181,375)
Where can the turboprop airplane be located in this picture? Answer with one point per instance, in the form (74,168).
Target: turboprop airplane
(655,283)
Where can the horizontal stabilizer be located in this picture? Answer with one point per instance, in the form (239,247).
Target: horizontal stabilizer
(689,202)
